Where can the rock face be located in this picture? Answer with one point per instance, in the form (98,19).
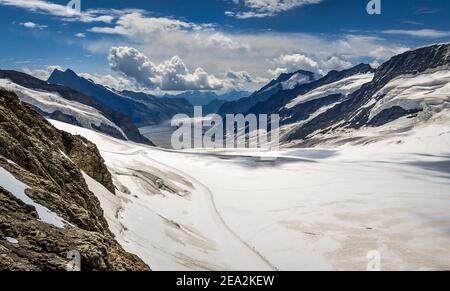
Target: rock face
(277,102)
(48,161)
(87,157)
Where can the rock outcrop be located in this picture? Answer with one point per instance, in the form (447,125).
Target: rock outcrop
(50,162)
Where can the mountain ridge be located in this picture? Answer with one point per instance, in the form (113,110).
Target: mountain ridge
(273,87)
(142,113)
(70,94)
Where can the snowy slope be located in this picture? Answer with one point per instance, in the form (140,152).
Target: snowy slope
(345,86)
(310,209)
(17,188)
(431,88)
(49,102)
(296,80)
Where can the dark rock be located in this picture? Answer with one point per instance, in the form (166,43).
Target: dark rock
(47,161)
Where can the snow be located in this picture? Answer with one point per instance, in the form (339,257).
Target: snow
(12,240)
(17,188)
(345,87)
(50,102)
(311,209)
(175,227)
(415,91)
(285,130)
(294,81)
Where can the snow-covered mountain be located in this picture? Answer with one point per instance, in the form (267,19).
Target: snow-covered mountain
(143,109)
(284,82)
(65,104)
(412,85)
(54,106)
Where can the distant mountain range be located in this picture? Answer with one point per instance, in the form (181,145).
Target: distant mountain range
(201,98)
(283,82)
(361,97)
(309,106)
(143,109)
(407,84)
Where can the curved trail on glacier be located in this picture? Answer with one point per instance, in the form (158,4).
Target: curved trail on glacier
(225,225)
(209,197)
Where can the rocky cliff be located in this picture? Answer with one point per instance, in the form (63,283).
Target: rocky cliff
(50,163)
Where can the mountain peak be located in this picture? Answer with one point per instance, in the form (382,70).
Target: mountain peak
(56,74)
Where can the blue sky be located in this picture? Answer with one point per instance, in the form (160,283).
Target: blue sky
(210,44)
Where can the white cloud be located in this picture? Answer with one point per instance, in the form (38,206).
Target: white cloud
(336,63)
(162,38)
(42,73)
(291,63)
(136,24)
(172,74)
(80,35)
(266,8)
(239,80)
(425,33)
(118,83)
(33,25)
(375,64)
(219,40)
(203,45)
(41,6)
(368,46)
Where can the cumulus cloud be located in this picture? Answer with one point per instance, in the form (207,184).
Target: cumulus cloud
(42,73)
(320,66)
(291,63)
(30,24)
(266,8)
(171,74)
(336,63)
(238,80)
(80,35)
(219,51)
